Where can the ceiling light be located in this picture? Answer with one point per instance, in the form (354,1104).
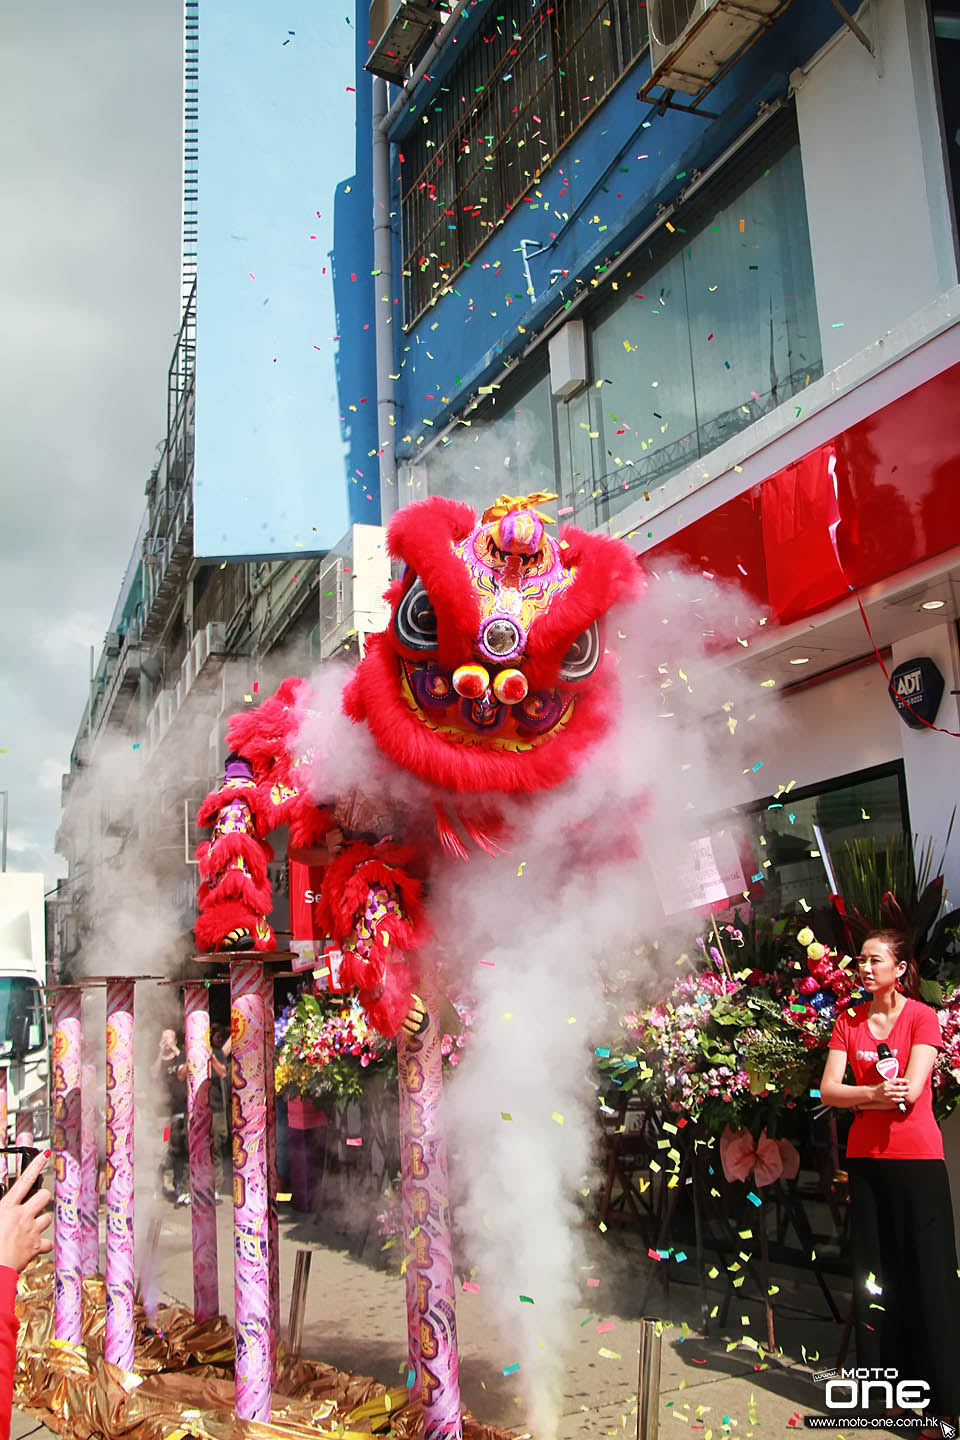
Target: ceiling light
(933,604)
(800,660)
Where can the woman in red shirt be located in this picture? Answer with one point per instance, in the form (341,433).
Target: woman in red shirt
(906,1291)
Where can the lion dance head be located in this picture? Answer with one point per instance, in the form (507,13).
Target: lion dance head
(492,675)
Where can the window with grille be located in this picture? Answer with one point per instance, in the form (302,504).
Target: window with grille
(523,89)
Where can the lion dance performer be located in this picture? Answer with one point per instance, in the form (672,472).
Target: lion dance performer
(490,682)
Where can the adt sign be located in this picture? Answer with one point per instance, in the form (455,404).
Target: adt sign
(916,688)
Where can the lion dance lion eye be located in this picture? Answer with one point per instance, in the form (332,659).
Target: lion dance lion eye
(415,623)
(583,657)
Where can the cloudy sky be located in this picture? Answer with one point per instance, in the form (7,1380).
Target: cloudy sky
(90,277)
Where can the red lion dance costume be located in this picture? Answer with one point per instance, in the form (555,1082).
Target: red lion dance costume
(491,681)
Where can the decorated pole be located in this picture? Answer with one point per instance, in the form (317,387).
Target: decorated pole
(273,1232)
(67,1268)
(408,1109)
(421,1088)
(206,1283)
(89,1211)
(120,1276)
(250,1205)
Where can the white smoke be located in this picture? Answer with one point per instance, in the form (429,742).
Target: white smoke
(529,933)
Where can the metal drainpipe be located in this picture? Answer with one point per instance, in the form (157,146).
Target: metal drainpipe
(383,120)
(383,304)
(403,99)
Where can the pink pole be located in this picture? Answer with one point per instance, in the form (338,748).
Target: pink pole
(250,1205)
(272,1179)
(409,1115)
(89,1210)
(421,1093)
(68,1308)
(120,1280)
(206,1283)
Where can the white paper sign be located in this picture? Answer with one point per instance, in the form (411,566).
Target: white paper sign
(705,871)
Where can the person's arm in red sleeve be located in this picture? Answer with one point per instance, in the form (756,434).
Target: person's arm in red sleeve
(9,1325)
(925,1041)
(22,1223)
(833,1090)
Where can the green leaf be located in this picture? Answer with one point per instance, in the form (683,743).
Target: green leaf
(928,908)
(932,992)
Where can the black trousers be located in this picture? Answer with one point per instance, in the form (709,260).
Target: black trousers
(902,1234)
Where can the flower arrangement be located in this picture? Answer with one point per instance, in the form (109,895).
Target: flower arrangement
(738,1047)
(745,1047)
(326,1049)
(946,1072)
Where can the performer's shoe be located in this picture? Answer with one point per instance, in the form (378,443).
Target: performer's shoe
(182,1199)
(237,940)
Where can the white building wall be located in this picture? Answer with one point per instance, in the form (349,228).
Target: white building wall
(850,723)
(932,760)
(830,729)
(874,171)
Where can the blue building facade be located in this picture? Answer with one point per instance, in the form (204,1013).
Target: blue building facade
(531,185)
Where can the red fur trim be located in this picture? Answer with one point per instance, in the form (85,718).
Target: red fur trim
(264,734)
(221,851)
(374,695)
(310,823)
(481,835)
(388,1009)
(233,884)
(216,922)
(217,799)
(359,868)
(422,535)
(449,839)
(607,572)
(270,812)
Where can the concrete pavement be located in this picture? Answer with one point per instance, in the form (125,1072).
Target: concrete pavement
(716,1387)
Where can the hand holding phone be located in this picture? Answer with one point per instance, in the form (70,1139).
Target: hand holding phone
(22,1218)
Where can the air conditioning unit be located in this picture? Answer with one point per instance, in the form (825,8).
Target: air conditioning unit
(399,31)
(692,40)
(331,594)
(112,643)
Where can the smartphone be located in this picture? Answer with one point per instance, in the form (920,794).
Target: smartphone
(26,1153)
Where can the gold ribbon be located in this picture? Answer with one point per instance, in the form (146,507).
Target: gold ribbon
(183,1385)
(508,504)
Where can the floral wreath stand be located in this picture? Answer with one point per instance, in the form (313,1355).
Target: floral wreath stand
(732,1183)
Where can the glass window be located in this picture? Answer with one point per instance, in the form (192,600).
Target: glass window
(531,77)
(946,31)
(712,325)
(22,1027)
(507,446)
(796,837)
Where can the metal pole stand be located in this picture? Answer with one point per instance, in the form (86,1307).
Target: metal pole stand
(298,1300)
(648,1380)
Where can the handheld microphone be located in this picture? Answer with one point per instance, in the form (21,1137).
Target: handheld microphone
(888,1067)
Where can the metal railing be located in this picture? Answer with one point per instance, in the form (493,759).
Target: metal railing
(534,80)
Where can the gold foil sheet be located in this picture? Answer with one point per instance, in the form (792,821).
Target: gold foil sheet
(182,1384)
